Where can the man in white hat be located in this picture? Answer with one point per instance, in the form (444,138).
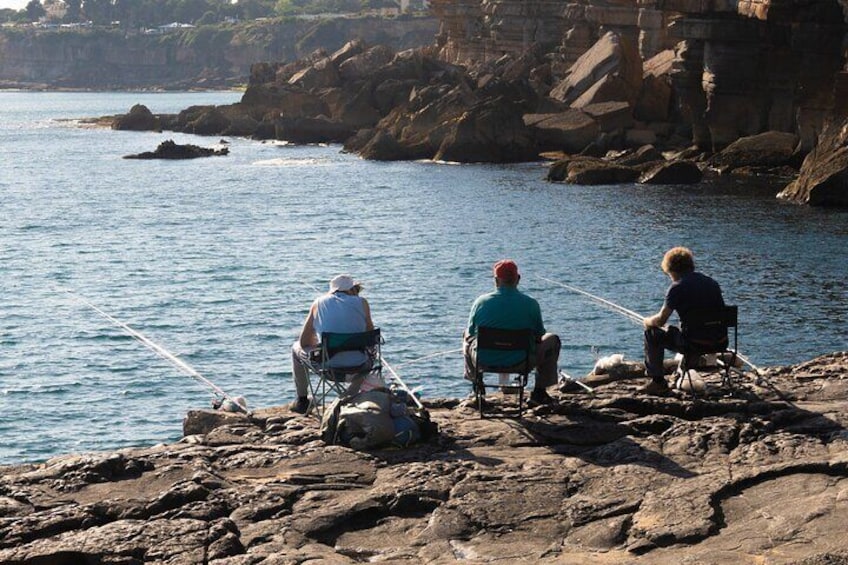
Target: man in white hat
(341,310)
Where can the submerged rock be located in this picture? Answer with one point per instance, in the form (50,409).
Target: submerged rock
(729,476)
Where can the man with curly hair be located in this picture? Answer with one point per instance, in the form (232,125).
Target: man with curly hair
(689,290)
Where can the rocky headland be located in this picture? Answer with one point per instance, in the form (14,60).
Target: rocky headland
(194,58)
(760,476)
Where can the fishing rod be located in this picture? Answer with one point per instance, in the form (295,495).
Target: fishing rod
(633,316)
(396,378)
(629,314)
(163,353)
(745,360)
(565,376)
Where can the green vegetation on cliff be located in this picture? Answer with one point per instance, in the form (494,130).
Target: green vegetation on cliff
(136,14)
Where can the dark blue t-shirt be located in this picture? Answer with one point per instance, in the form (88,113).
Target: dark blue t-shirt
(694,291)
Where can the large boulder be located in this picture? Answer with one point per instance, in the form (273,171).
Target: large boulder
(392,93)
(611,116)
(672,172)
(352,108)
(823,179)
(645,154)
(350,49)
(321,74)
(611,67)
(654,101)
(597,172)
(382,146)
(312,130)
(491,132)
(139,118)
(422,124)
(364,65)
(570,131)
(769,149)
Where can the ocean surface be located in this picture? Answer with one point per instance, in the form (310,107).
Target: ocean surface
(216,260)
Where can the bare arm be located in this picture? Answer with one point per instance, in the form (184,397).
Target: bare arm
(369,325)
(307,334)
(659,319)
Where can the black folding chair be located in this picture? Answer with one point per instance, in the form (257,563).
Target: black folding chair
(718,324)
(495,339)
(343,381)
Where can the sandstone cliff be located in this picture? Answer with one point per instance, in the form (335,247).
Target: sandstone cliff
(757,477)
(740,68)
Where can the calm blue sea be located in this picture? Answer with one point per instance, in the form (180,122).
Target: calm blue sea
(218,259)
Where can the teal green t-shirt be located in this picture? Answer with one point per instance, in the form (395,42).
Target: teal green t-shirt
(506,308)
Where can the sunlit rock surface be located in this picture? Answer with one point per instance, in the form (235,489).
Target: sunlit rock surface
(757,477)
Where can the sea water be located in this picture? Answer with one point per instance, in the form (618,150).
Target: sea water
(218,259)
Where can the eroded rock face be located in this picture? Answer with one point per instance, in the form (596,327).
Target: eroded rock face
(613,477)
(823,180)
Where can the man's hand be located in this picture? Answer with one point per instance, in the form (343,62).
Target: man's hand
(659,319)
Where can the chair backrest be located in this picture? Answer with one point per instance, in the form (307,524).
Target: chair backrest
(368,342)
(706,325)
(497,339)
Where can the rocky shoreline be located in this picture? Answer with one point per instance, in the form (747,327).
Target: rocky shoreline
(757,477)
(609,118)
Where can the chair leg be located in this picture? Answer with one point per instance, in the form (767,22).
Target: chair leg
(479,394)
(522,384)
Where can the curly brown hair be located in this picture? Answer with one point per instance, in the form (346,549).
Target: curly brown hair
(678,260)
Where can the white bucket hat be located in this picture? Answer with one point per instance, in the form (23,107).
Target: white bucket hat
(342,283)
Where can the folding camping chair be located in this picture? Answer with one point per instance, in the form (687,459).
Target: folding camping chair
(494,339)
(719,321)
(343,380)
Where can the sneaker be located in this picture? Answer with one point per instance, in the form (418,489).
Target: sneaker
(655,388)
(301,405)
(540,397)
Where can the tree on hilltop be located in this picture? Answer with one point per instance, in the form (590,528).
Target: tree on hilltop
(34,11)
(73,11)
(98,11)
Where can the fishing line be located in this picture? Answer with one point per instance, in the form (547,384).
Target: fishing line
(629,314)
(429,356)
(160,351)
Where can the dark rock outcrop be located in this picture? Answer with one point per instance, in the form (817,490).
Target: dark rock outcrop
(768,149)
(170,150)
(612,476)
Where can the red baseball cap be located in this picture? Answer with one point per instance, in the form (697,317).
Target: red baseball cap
(506,269)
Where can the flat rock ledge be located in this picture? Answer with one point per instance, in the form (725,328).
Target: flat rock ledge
(757,477)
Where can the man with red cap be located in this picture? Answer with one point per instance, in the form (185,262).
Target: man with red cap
(509,309)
